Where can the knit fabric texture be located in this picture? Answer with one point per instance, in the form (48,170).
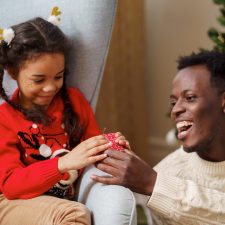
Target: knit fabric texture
(188,191)
(29,152)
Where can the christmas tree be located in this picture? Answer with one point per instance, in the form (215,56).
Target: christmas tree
(219,37)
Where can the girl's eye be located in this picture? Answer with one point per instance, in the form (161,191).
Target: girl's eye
(38,81)
(59,77)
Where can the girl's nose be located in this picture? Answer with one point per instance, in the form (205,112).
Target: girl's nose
(49,87)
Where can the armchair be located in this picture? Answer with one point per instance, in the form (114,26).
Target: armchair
(89,24)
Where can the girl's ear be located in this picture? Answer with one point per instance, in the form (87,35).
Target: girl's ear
(223,102)
(11,72)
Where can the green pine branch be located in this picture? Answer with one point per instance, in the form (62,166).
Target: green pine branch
(219,2)
(216,36)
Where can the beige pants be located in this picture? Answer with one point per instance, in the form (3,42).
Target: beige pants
(43,210)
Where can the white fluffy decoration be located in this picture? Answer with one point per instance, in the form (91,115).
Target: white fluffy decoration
(8,35)
(54,20)
(45,150)
(59,152)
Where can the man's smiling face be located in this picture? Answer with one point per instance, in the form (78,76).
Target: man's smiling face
(196,108)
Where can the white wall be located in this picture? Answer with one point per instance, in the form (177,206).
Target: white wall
(174,28)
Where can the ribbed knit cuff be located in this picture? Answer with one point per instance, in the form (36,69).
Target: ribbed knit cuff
(165,192)
(50,171)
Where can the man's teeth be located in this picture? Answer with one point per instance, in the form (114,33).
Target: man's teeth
(182,124)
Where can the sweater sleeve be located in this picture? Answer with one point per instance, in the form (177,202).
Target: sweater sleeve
(18,180)
(181,198)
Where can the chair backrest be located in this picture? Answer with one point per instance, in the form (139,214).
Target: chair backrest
(89,24)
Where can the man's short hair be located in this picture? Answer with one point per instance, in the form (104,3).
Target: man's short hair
(213,60)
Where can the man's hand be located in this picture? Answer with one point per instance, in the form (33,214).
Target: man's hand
(128,170)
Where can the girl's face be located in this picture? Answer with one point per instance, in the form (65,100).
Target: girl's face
(40,79)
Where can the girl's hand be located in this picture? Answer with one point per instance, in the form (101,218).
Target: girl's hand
(121,140)
(86,153)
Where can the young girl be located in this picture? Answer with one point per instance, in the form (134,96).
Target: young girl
(47,131)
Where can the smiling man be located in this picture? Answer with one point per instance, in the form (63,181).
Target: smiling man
(188,186)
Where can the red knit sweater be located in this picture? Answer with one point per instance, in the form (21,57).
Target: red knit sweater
(26,167)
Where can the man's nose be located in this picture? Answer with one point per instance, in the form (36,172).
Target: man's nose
(177,109)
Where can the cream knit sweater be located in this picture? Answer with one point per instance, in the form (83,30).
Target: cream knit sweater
(188,191)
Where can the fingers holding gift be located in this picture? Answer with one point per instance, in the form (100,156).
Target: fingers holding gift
(93,142)
(118,141)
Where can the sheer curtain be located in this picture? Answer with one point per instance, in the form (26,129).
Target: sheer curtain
(122,101)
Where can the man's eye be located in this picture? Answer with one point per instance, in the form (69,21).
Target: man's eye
(172,103)
(190,98)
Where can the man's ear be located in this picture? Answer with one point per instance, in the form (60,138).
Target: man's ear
(11,72)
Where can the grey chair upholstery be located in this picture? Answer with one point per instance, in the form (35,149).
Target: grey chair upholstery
(89,24)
